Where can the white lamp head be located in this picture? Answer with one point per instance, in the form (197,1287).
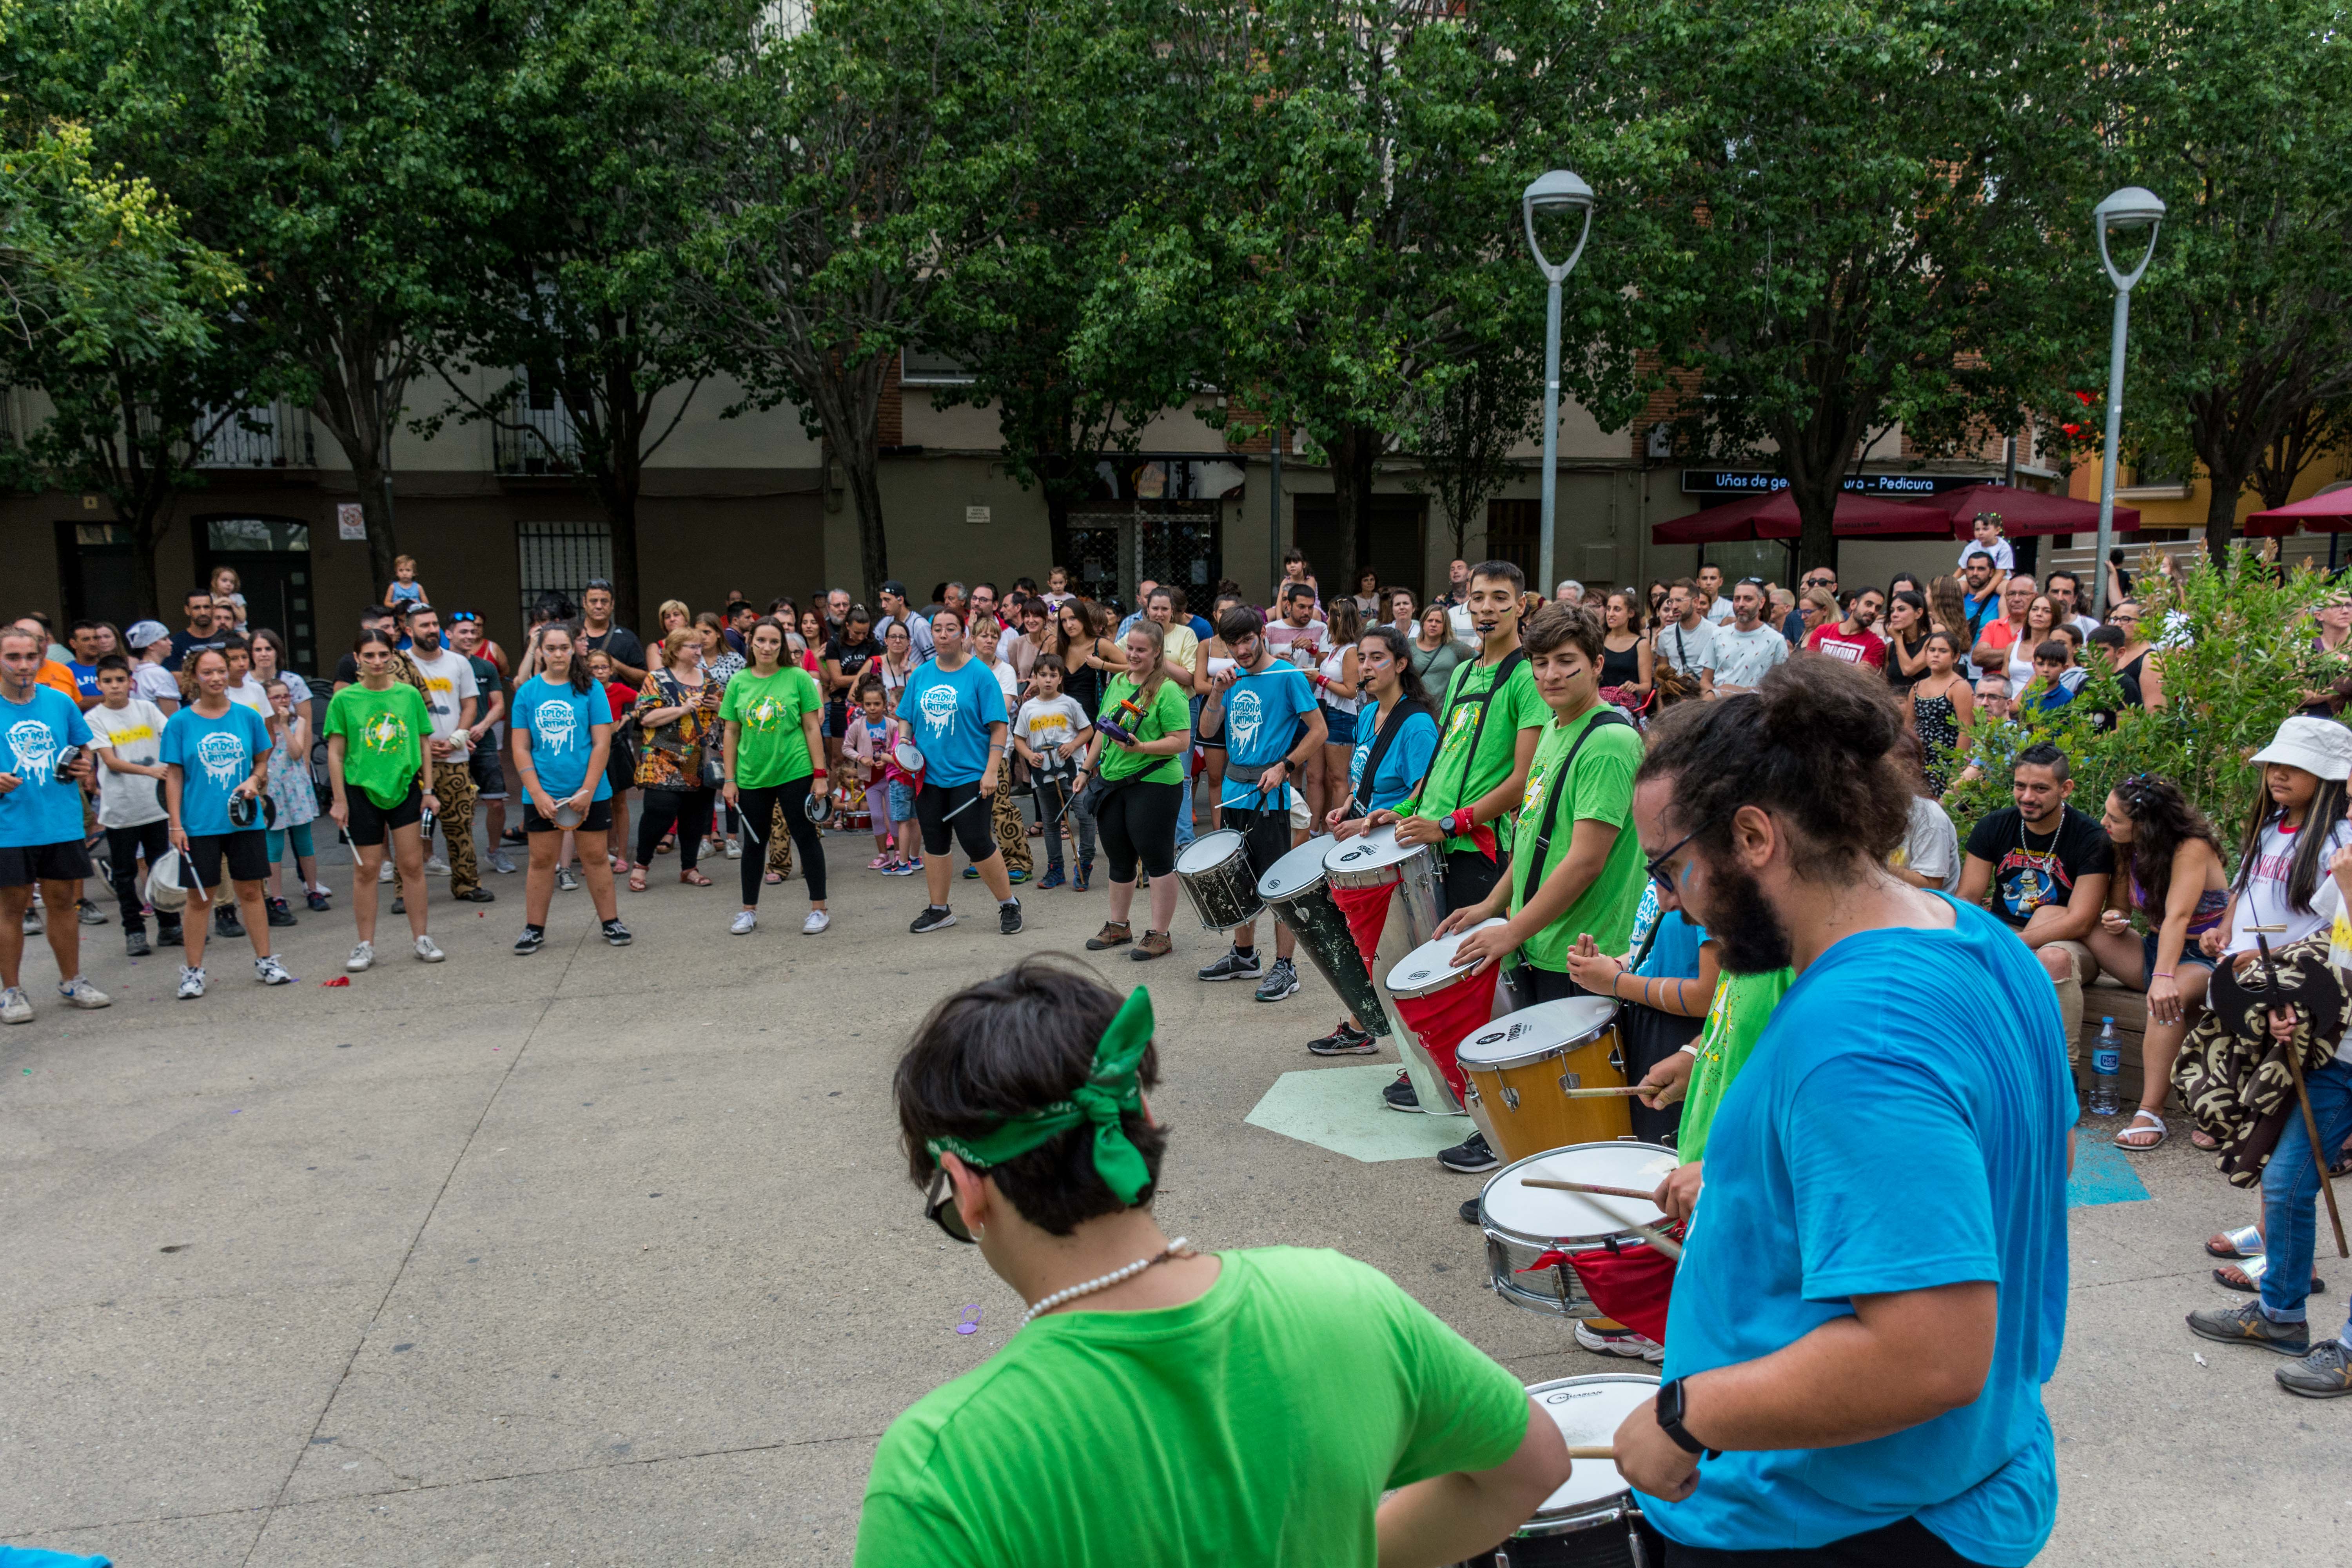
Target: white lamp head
(1558,191)
(2129,208)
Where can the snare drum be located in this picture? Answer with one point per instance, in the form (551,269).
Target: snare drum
(1522,1223)
(1592,1521)
(1215,870)
(1520,1065)
(1296,890)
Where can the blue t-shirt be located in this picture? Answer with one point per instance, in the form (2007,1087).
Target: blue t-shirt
(558,720)
(1401,770)
(213,756)
(950,712)
(39,810)
(1902,1125)
(85,677)
(1674,955)
(1261,717)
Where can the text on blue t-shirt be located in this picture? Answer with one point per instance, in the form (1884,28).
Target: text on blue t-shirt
(213,756)
(39,810)
(1263,713)
(559,721)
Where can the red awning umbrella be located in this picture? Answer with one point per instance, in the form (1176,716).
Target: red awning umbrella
(2328,512)
(1775,516)
(2028,512)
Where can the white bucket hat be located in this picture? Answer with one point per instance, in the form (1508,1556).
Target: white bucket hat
(2320,746)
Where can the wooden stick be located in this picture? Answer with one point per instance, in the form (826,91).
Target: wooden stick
(2303,1096)
(1575,1451)
(1587,1187)
(1609,1094)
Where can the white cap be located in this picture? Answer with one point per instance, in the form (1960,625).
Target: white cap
(144,633)
(2320,746)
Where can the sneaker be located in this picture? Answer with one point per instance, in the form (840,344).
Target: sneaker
(1114,933)
(270,972)
(745,922)
(1347,1040)
(617,935)
(2248,1324)
(1235,965)
(317,900)
(428,951)
(734,849)
(2324,1374)
(1016,876)
(532,939)
(567,880)
(1008,918)
(33,921)
(476,896)
(92,915)
(400,906)
(168,935)
(1619,1341)
(384,873)
(436,866)
(192,983)
(362,957)
(1280,981)
(935,917)
(15,1007)
(225,924)
(498,862)
(816,923)
(1400,1095)
(1051,879)
(134,943)
(280,914)
(1469,1212)
(1083,878)
(1150,945)
(1470,1156)
(972,873)
(80,993)
(902,868)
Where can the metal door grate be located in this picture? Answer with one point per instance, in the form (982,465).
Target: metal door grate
(561,557)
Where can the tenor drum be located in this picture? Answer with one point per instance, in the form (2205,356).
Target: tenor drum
(1521,1224)
(1296,890)
(1521,1066)
(1592,1521)
(1216,873)
(1428,971)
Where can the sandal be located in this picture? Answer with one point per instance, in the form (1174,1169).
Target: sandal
(693,879)
(773,879)
(2200,1139)
(2229,1277)
(665,846)
(1114,933)
(637,879)
(2246,1242)
(2140,1125)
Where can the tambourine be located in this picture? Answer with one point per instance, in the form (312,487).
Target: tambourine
(243,809)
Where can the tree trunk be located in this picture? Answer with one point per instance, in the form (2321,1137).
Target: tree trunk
(865,470)
(1058,524)
(364,374)
(1816,498)
(1355,454)
(2222,514)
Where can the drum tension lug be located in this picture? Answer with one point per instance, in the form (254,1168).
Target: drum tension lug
(1510,1097)
(1571,1081)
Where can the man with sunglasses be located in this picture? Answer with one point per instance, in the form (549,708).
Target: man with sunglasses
(1159,1406)
(1792,625)
(597,631)
(1854,1375)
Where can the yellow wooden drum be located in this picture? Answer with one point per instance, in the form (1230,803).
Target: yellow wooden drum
(1521,1066)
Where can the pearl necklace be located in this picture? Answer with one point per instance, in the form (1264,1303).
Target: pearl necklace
(1176,1248)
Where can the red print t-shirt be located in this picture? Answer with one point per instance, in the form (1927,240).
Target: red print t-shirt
(1863,647)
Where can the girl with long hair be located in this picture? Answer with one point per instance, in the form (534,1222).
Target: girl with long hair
(774,762)
(563,730)
(678,713)
(1947,610)
(1142,789)
(1907,639)
(1941,706)
(1337,687)
(1627,664)
(1434,650)
(2040,626)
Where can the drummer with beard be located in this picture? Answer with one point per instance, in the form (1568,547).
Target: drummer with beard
(1159,1406)
(1855,1368)
(1265,710)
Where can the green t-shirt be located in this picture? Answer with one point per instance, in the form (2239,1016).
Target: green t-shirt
(1743,1005)
(772,748)
(1600,789)
(383,738)
(1517,707)
(1258,1425)
(1168,713)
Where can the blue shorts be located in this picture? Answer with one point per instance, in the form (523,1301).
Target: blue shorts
(2189,953)
(1341,727)
(902,801)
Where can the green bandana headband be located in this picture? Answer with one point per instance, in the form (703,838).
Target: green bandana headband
(1109,1093)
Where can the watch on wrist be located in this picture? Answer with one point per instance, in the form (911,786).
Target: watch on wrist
(1670,1421)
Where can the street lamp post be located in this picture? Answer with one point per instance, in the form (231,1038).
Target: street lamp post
(2127,208)
(1558,191)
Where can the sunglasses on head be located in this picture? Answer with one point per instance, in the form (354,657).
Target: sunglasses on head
(594,584)
(457,616)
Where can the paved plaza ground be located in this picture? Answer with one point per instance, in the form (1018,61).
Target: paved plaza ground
(610,1257)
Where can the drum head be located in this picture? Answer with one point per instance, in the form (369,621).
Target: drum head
(1430,965)
(1294,873)
(1370,851)
(1533,1033)
(1208,851)
(569,815)
(1588,1411)
(907,757)
(1544,1213)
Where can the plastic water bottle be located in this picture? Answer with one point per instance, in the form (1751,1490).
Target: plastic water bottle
(2107,1064)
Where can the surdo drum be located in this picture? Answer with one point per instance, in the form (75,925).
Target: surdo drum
(1521,1224)
(1521,1065)
(1295,888)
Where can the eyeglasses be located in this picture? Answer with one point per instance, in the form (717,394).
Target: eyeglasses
(1817,581)
(1655,869)
(2124,620)
(939,1208)
(457,616)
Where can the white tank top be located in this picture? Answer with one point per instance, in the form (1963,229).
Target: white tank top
(1332,665)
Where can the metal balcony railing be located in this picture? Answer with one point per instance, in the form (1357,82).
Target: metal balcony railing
(527,440)
(274,436)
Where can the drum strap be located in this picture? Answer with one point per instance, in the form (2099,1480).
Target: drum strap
(1604,715)
(1485,701)
(1386,737)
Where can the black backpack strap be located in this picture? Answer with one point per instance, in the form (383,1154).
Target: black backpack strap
(1380,744)
(1485,701)
(1559,787)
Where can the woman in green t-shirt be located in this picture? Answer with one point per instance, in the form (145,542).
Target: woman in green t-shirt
(775,757)
(376,730)
(1246,1407)
(1142,786)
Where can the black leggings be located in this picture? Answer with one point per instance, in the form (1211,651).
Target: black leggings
(937,808)
(124,846)
(689,809)
(1138,821)
(759,808)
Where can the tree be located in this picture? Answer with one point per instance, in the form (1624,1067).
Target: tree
(1866,213)
(870,159)
(2241,331)
(1467,419)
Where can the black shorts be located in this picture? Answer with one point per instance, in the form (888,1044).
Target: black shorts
(599,819)
(1266,834)
(488,771)
(245,851)
(21,865)
(370,822)
(975,828)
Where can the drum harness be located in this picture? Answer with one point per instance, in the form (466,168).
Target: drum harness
(1485,701)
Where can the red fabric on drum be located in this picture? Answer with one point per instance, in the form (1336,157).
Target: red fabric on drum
(1367,910)
(1443,1019)
(1632,1285)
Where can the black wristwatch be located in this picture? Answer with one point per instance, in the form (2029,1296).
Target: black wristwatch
(1670,1421)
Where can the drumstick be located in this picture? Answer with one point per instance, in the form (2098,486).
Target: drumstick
(1577,1451)
(1586,1187)
(1611,1092)
(2294,1066)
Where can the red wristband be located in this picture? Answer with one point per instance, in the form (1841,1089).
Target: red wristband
(1461,823)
